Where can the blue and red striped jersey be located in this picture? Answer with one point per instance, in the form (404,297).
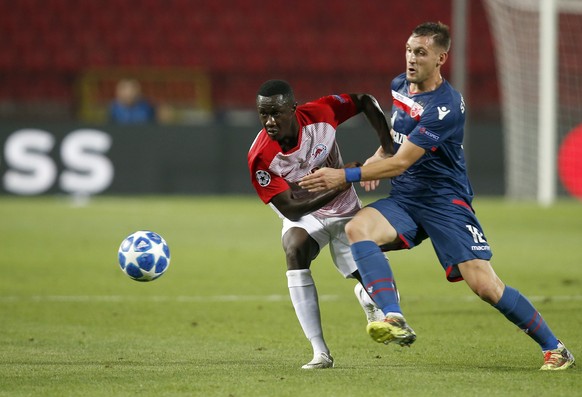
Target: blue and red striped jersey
(435,121)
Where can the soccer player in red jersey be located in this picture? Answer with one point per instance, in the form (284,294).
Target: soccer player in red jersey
(296,140)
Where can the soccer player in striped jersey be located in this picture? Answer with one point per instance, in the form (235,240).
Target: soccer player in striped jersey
(294,141)
(430,197)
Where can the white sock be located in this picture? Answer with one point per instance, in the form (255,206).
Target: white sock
(395,314)
(373,313)
(304,298)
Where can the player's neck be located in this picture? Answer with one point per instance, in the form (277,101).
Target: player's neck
(289,142)
(427,85)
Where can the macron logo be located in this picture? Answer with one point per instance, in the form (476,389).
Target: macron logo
(443,111)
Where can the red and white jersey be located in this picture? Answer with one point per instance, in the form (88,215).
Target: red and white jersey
(273,171)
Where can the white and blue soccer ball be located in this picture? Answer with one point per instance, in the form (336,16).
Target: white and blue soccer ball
(144,256)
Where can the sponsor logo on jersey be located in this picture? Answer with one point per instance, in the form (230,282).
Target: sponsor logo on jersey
(263,178)
(443,111)
(399,138)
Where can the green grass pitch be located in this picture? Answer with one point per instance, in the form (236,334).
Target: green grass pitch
(219,322)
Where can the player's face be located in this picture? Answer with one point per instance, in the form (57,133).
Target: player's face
(277,115)
(422,59)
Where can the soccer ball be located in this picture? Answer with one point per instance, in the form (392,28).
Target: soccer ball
(144,256)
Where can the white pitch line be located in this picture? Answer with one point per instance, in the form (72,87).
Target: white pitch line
(155,298)
(239,298)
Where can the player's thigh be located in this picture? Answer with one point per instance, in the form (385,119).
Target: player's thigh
(370,224)
(339,246)
(388,223)
(482,279)
(314,228)
(297,239)
(456,236)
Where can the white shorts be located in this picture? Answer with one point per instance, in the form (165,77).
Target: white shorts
(328,231)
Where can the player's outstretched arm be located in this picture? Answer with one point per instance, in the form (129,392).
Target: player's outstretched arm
(368,105)
(294,208)
(330,178)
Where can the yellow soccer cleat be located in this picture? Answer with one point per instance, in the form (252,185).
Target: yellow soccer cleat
(393,329)
(558,359)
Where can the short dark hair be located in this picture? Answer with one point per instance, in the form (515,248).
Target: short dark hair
(437,30)
(276,87)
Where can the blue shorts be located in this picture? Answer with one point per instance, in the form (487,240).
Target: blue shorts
(450,223)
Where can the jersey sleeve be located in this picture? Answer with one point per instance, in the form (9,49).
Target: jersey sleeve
(341,106)
(267,184)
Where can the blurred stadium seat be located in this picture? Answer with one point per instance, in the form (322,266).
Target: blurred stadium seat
(338,45)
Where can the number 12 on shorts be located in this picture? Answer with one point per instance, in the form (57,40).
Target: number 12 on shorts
(477,235)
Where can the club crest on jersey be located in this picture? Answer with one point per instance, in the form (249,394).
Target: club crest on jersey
(416,110)
(319,151)
(263,178)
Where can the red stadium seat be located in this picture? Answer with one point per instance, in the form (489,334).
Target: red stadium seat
(319,45)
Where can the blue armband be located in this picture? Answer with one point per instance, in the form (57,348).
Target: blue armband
(353,174)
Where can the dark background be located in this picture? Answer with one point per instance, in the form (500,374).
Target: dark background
(49,47)
(212,159)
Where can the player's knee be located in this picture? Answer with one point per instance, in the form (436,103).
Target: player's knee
(355,230)
(489,290)
(481,278)
(486,293)
(298,256)
(296,260)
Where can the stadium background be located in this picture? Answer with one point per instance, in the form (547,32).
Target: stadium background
(74,325)
(203,61)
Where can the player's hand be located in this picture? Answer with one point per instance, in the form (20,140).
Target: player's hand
(323,179)
(371,185)
(352,164)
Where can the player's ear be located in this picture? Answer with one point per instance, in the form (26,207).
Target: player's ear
(443,56)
